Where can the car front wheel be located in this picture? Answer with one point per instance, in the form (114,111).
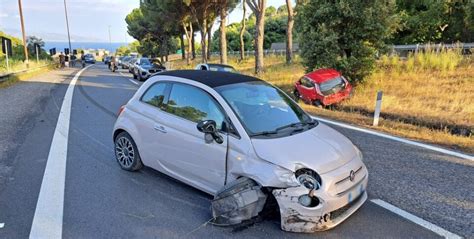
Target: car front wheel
(296,95)
(126,152)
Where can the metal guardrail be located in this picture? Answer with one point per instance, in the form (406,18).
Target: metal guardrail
(5,76)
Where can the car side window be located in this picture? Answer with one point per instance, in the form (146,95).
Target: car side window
(155,95)
(193,104)
(307,83)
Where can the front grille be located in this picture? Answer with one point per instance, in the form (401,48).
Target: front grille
(338,212)
(348,177)
(350,188)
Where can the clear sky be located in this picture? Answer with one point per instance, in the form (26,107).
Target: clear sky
(89,20)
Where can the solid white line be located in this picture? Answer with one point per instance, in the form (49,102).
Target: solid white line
(395,138)
(134,82)
(48,218)
(428,225)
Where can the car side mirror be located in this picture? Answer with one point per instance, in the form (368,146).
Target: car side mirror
(209,128)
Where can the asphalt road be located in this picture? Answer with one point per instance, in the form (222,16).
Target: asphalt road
(103,201)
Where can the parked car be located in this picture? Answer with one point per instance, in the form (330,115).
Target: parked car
(242,140)
(145,67)
(322,87)
(89,58)
(131,64)
(107,60)
(215,67)
(123,61)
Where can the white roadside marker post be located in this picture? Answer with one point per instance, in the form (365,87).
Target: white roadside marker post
(6,54)
(378,105)
(37,53)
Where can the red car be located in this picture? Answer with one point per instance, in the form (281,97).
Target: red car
(322,87)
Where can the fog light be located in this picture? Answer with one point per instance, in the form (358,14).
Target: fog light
(308,201)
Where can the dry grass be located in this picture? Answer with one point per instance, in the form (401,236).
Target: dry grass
(425,96)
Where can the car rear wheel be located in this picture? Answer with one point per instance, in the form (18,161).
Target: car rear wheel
(134,75)
(318,103)
(126,152)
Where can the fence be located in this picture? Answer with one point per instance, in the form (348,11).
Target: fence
(395,49)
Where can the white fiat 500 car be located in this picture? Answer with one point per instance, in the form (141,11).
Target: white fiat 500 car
(245,142)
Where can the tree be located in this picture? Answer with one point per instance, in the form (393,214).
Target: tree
(258,8)
(30,44)
(225,6)
(343,34)
(204,14)
(242,31)
(289,33)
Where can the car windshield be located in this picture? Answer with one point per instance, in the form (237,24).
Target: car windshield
(332,86)
(145,61)
(221,68)
(264,110)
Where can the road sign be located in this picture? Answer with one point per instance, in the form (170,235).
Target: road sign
(52,51)
(66,51)
(74,52)
(7,46)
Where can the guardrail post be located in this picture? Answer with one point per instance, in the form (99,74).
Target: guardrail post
(378,105)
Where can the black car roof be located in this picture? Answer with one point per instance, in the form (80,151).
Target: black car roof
(212,79)
(219,65)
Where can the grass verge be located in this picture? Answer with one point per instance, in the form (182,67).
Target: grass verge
(14,78)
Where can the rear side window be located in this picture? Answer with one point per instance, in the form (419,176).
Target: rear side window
(306,82)
(155,95)
(193,104)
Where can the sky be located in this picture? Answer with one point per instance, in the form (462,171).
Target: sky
(89,20)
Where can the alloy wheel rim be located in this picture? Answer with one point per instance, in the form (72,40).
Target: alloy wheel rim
(124,151)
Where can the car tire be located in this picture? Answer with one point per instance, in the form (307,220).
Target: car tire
(296,95)
(126,152)
(134,76)
(318,103)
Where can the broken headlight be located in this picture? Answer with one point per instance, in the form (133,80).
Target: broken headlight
(308,178)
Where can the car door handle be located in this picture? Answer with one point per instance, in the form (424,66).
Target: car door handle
(160,128)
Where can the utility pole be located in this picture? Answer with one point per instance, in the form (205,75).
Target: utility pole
(110,41)
(67,26)
(25,49)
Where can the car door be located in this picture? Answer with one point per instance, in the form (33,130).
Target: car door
(149,110)
(191,158)
(307,89)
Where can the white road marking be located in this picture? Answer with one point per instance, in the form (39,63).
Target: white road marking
(399,139)
(122,74)
(419,221)
(134,82)
(48,218)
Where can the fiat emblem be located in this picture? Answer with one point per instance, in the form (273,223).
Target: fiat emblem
(352,175)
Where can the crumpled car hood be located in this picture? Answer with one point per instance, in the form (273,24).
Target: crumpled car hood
(322,149)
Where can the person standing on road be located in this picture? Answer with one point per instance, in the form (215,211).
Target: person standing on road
(61,59)
(83,59)
(73,60)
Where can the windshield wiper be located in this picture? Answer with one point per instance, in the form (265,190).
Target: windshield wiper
(265,133)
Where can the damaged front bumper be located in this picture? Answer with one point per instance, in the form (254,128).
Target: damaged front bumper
(328,213)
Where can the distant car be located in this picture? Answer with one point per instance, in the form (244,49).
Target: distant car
(107,60)
(119,60)
(125,61)
(89,58)
(216,67)
(130,64)
(322,87)
(144,67)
